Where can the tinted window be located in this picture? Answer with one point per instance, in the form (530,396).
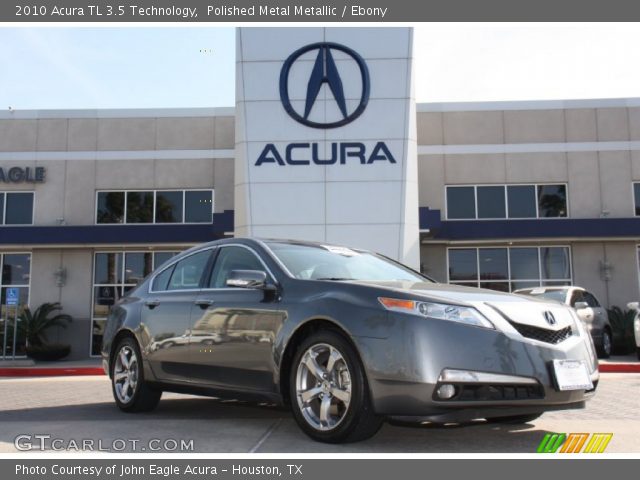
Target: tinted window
(108,268)
(137,266)
(188,272)
(522,201)
(493,264)
(198,207)
(591,300)
(552,201)
(636,196)
(576,297)
(491,202)
(524,263)
(161,257)
(139,207)
(169,207)
(19,209)
(110,207)
(463,264)
(16,269)
(461,202)
(1,208)
(555,263)
(232,258)
(161,281)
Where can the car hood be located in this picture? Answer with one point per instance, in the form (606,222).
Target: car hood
(512,307)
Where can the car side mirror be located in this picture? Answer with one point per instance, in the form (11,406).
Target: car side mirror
(633,306)
(247,279)
(581,305)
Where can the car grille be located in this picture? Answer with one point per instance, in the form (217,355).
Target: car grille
(543,334)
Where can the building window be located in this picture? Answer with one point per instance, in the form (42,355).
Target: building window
(509,269)
(16,208)
(16,273)
(487,202)
(636,197)
(114,275)
(160,206)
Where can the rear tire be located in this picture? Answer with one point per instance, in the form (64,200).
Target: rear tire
(130,391)
(329,393)
(515,419)
(605,345)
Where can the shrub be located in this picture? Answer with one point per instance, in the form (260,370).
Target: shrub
(623,341)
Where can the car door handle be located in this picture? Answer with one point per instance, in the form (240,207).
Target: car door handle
(204,303)
(151,304)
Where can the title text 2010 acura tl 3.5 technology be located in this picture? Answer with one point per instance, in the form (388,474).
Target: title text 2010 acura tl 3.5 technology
(345,337)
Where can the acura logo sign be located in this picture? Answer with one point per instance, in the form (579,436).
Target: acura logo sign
(548,316)
(325,71)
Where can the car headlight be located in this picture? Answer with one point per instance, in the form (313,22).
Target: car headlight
(439,311)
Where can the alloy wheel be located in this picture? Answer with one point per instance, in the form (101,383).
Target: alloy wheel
(125,374)
(323,386)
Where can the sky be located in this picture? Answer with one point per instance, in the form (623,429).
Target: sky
(150,67)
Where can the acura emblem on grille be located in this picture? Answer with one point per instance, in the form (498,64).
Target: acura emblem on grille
(548,316)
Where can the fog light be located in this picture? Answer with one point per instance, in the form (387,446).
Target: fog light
(446,391)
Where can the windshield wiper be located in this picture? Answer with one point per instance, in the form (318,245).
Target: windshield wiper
(335,279)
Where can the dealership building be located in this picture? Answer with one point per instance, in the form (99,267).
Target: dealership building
(326,142)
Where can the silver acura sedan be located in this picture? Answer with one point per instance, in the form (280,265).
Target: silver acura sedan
(345,337)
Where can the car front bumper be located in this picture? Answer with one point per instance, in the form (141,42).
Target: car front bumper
(405,371)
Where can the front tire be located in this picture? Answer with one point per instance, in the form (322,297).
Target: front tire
(604,348)
(130,391)
(329,392)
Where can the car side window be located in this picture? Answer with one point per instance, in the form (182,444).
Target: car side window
(188,272)
(161,281)
(232,258)
(591,300)
(576,297)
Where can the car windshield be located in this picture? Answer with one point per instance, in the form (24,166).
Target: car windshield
(329,262)
(557,295)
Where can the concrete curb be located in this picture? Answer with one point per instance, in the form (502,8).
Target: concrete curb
(619,367)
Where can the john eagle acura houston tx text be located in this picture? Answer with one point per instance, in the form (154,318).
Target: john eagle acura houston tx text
(345,337)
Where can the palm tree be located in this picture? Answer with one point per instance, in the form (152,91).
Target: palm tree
(33,325)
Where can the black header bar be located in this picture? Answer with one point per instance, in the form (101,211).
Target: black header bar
(235,11)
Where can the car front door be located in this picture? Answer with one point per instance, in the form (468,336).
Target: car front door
(233,329)
(166,316)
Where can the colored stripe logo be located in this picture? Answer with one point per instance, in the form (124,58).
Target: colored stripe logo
(574,443)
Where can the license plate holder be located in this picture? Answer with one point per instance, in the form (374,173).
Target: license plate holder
(571,375)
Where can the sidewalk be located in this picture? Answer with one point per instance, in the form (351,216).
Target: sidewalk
(29,368)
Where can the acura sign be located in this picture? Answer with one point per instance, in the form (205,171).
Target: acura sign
(325,72)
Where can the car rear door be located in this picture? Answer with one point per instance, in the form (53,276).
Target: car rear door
(233,329)
(166,316)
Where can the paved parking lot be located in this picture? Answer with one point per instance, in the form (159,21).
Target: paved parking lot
(71,409)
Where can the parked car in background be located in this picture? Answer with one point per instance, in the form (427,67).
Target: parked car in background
(345,337)
(636,324)
(588,308)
